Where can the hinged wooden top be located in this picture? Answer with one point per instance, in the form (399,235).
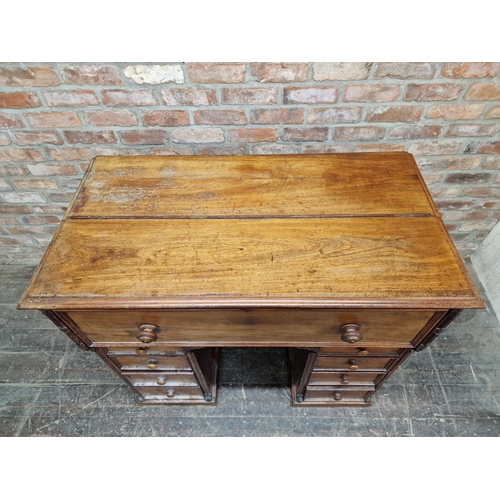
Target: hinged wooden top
(344,230)
(355,184)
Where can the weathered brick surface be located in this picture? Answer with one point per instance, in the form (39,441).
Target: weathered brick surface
(54,118)
(19,100)
(91,74)
(279,72)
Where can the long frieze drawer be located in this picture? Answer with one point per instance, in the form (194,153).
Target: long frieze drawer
(319,394)
(360,350)
(352,363)
(176,363)
(145,350)
(171,394)
(343,378)
(307,327)
(162,379)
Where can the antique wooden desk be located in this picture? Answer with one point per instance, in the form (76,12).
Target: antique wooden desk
(343,258)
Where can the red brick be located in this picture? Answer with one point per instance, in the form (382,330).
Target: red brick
(128,98)
(41,137)
(470,70)
(432,91)
(220,117)
(435,148)
(174,151)
(358,133)
(216,73)
(94,75)
(170,118)
(465,178)
(189,97)
(27,230)
(34,184)
(71,98)
(249,96)
(371,93)
(221,150)
(482,192)
(81,137)
(53,119)
(341,71)
(4,140)
(7,220)
(108,117)
(489,205)
(19,100)
(40,219)
(143,136)
(324,149)
(305,134)
(454,204)
(455,111)
(483,148)
(16,241)
(432,178)
(52,169)
(464,216)
(416,132)
(198,135)
(334,115)
(483,92)
(310,95)
(20,155)
(252,134)
(13,209)
(491,163)
(61,197)
(394,114)
(273,149)
(457,163)
(279,72)
(472,130)
(69,153)
(277,115)
(380,147)
(110,151)
(492,113)
(28,76)
(10,121)
(7,170)
(405,70)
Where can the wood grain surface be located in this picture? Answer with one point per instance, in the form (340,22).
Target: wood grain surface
(377,262)
(253,186)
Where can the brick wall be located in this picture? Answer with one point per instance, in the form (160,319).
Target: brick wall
(55,117)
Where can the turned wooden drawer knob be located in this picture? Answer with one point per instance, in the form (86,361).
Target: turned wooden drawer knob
(147,333)
(350,333)
(161,381)
(344,379)
(141,351)
(170,393)
(352,364)
(363,352)
(337,396)
(152,364)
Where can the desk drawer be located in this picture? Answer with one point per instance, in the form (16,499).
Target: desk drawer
(151,362)
(162,379)
(343,378)
(172,394)
(253,327)
(352,364)
(332,395)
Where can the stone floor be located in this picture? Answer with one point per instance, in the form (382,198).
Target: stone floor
(49,387)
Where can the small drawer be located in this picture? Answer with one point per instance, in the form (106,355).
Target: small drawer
(146,363)
(361,351)
(353,363)
(162,379)
(145,351)
(172,394)
(318,394)
(343,378)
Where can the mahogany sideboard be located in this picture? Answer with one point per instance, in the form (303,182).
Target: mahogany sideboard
(342,258)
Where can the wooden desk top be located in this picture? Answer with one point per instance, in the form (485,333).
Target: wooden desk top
(342,230)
